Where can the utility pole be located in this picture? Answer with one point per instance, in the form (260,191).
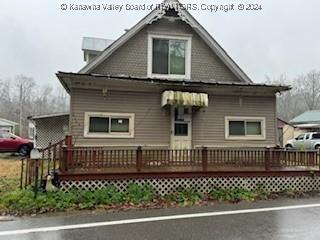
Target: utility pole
(20,109)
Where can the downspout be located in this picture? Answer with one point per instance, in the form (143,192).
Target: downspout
(275,120)
(282,133)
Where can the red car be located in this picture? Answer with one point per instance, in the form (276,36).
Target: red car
(12,143)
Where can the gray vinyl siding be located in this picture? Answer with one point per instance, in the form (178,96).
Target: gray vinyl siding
(151,122)
(131,58)
(209,123)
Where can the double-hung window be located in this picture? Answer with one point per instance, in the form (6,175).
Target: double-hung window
(109,125)
(169,57)
(246,128)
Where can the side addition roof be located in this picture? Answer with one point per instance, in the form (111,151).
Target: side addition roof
(6,122)
(307,117)
(95,44)
(53,115)
(185,16)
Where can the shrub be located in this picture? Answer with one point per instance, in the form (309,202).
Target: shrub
(139,193)
(108,195)
(234,195)
(23,201)
(185,196)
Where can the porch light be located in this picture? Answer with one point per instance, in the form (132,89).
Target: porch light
(179,98)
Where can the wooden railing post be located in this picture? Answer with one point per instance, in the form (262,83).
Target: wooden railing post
(31,171)
(36,176)
(68,141)
(21,173)
(267,158)
(49,157)
(63,163)
(318,159)
(68,153)
(204,156)
(139,159)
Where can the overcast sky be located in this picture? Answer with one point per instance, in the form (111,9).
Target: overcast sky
(38,38)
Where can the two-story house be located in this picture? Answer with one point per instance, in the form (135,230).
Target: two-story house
(165,105)
(166,83)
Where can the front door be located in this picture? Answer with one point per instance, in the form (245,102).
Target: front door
(181,127)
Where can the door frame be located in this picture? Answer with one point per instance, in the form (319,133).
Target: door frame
(174,138)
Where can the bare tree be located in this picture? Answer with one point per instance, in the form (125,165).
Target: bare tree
(43,100)
(23,97)
(62,99)
(304,95)
(24,86)
(309,88)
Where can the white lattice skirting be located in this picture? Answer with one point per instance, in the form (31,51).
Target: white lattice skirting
(165,186)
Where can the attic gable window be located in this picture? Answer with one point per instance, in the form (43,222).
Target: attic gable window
(169,57)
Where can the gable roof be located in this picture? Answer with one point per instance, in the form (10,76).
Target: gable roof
(281,123)
(307,117)
(185,16)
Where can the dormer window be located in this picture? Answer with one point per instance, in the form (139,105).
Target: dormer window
(169,57)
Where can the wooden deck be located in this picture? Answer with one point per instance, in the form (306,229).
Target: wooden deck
(92,162)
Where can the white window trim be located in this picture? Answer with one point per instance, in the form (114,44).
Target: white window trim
(187,56)
(248,119)
(87,116)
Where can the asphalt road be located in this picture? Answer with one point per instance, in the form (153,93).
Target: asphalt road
(276,219)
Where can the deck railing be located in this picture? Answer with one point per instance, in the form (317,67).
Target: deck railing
(65,158)
(280,158)
(37,169)
(89,159)
(236,157)
(99,158)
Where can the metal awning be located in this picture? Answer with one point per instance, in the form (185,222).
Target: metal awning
(178,98)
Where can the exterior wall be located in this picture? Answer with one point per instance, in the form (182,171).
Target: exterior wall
(131,58)
(51,129)
(7,125)
(31,130)
(288,133)
(7,128)
(152,122)
(209,123)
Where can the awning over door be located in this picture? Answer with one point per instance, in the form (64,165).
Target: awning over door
(178,98)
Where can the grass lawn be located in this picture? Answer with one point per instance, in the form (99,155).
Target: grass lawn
(10,167)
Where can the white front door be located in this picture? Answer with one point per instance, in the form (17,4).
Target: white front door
(181,127)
